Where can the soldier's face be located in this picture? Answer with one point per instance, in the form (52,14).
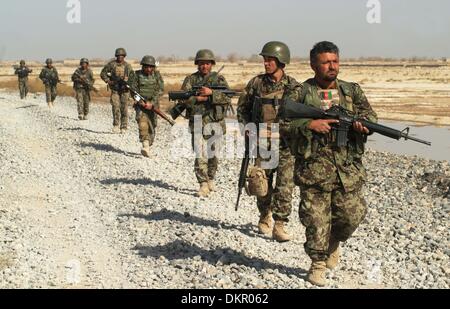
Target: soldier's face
(270,65)
(120,58)
(326,66)
(49,65)
(205,67)
(148,69)
(84,65)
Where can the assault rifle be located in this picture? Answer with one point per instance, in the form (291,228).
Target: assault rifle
(293,110)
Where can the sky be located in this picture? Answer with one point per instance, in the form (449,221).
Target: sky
(36,30)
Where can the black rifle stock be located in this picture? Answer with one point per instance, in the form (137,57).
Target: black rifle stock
(244,169)
(346,118)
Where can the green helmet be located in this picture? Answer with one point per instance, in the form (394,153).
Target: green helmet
(22,62)
(121,52)
(205,55)
(277,50)
(48,61)
(148,60)
(84,60)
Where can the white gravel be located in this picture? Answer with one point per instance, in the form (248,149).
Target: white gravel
(80,207)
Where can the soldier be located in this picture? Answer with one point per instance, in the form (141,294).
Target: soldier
(150,84)
(83,83)
(330,177)
(22,73)
(50,78)
(210,106)
(262,94)
(114,74)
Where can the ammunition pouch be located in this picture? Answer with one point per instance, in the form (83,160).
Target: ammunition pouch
(257,183)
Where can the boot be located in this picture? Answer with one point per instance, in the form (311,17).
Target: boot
(146,149)
(211,185)
(50,104)
(316,273)
(123,130)
(116,129)
(85,117)
(334,252)
(278,233)
(204,190)
(80,117)
(265,224)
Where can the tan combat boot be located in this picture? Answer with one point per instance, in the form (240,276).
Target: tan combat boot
(204,190)
(123,130)
(146,149)
(334,252)
(50,104)
(211,185)
(265,224)
(278,233)
(85,117)
(316,273)
(116,129)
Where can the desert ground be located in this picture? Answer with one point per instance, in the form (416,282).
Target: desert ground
(410,91)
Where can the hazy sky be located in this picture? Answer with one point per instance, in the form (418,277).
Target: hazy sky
(39,29)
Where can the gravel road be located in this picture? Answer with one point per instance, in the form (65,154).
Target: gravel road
(80,207)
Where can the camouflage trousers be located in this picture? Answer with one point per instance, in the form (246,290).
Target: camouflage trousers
(119,102)
(279,199)
(326,215)
(147,122)
(23,88)
(83,99)
(206,164)
(50,93)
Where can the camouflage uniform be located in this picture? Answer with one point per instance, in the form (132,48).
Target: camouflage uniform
(22,73)
(330,178)
(119,96)
(50,78)
(211,113)
(151,87)
(278,200)
(83,81)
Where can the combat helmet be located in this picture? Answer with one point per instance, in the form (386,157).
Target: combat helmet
(121,52)
(278,50)
(48,61)
(205,55)
(84,60)
(148,60)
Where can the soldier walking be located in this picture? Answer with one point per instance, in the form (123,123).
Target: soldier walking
(22,73)
(50,78)
(83,83)
(115,73)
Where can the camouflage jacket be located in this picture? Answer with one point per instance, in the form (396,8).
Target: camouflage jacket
(114,71)
(83,79)
(215,108)
(22,72)
(49,77)
(261,86)
(316,154)
(149,86)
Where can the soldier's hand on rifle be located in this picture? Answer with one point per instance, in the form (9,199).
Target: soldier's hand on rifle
(358,127)
(201,99)
(148,105)
(110,82)
(322,126)
(205,92)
